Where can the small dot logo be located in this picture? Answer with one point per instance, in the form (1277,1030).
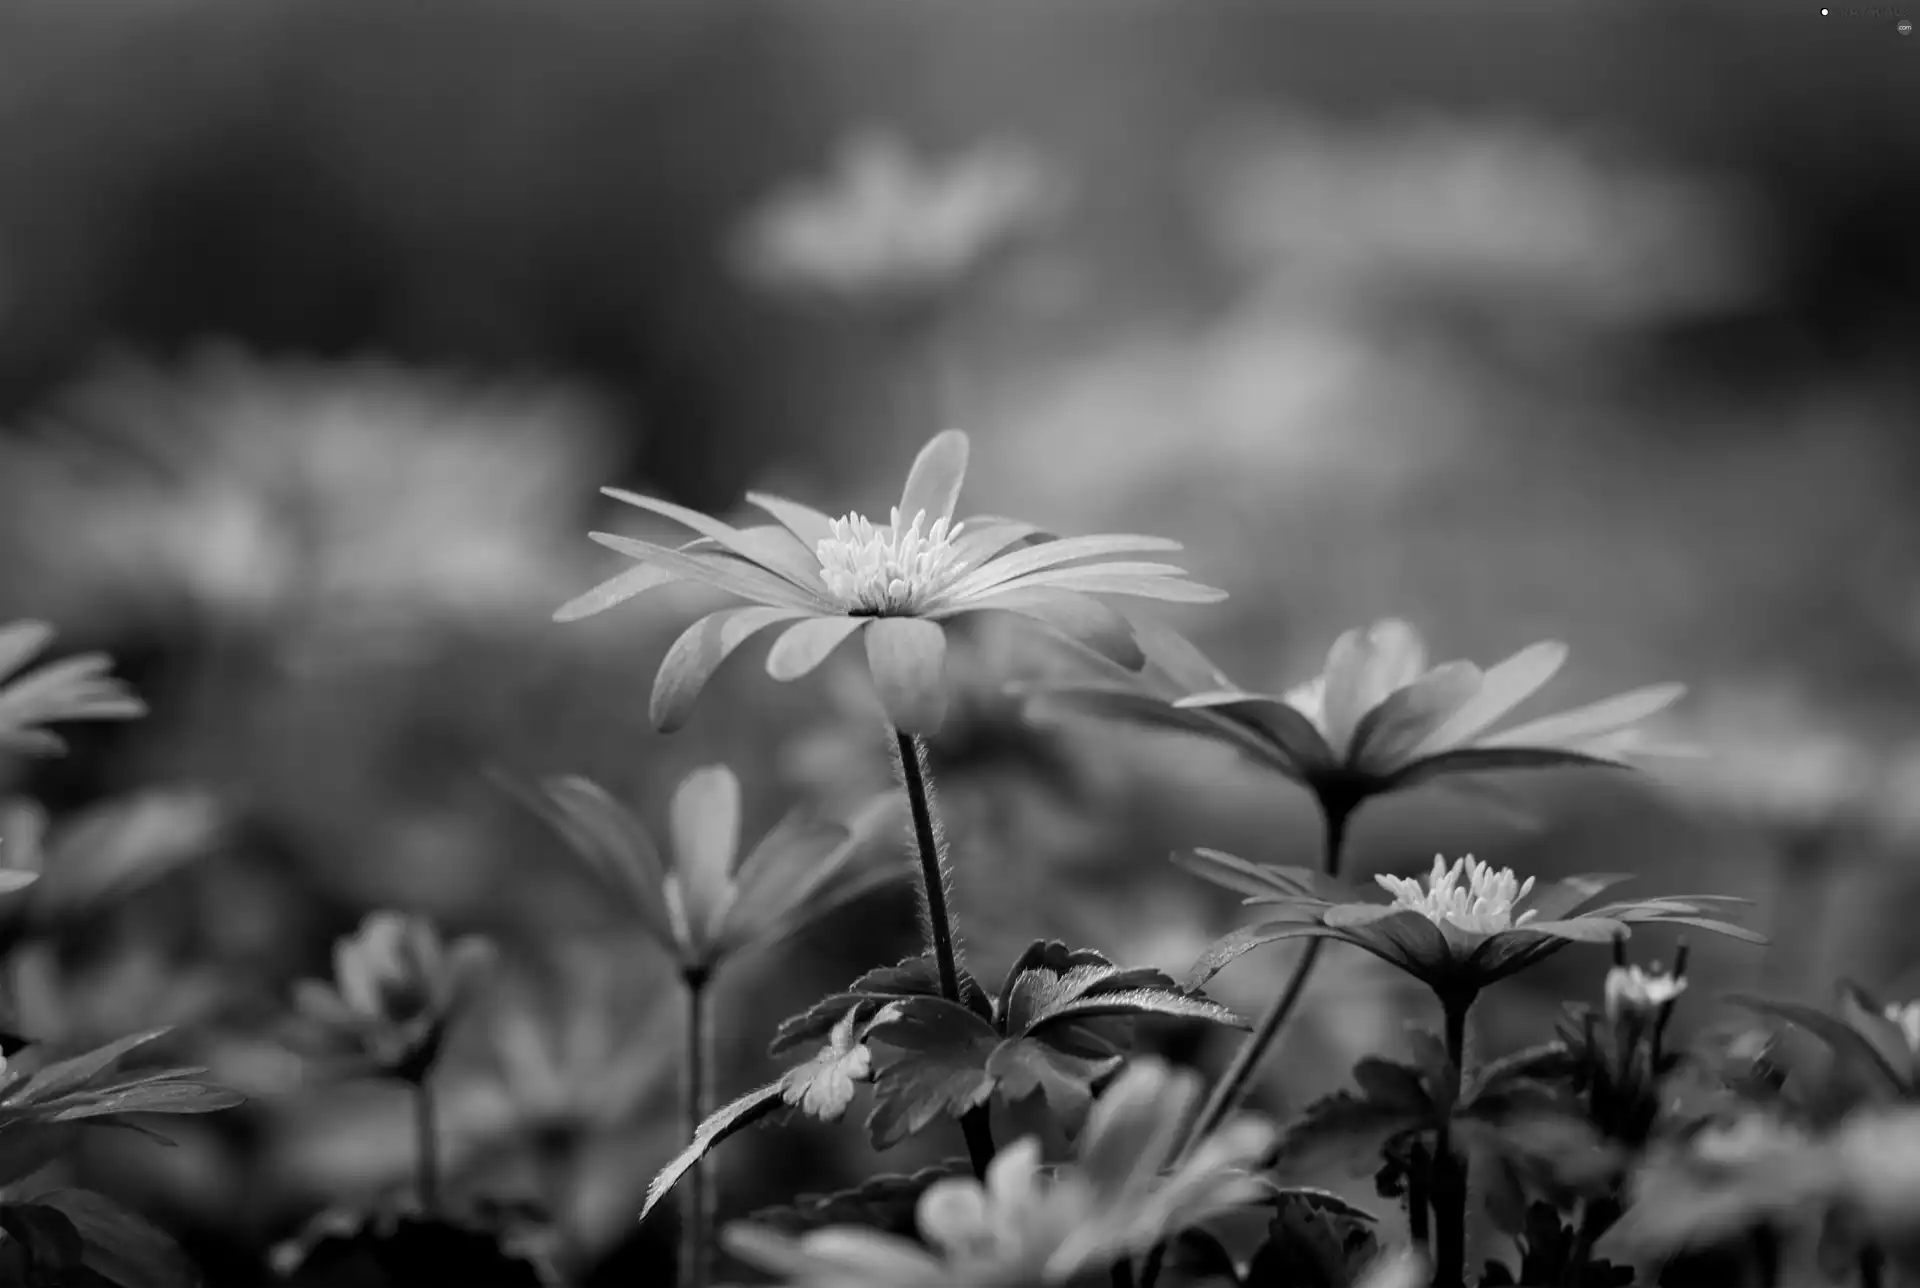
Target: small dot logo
(1904,27)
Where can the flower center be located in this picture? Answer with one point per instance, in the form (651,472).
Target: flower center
(1907,1016)
(1483,904)
(888,570)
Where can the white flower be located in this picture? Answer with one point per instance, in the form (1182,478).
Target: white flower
(891,568)
(1907,1016)
(1632,990)
(1484,906)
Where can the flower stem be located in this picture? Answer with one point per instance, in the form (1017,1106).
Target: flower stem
(1872,1267)
(1449,1166)
(935,880)
(426,1150)
(697,1096)
(1417,1211)
(1232,1087)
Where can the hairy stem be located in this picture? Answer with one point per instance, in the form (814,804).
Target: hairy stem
(1232,1087)
(426,1149)
(935,880)
(1450,1167)
(697,1196)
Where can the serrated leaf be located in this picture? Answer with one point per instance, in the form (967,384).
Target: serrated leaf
(823,1086)
(886,1203)
(735,1115)
(913,977)
(938,1066)
(1314,1244)
(1024,1067)
(1142,1002)
(119,1246)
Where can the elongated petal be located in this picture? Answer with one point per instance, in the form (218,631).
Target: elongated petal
(1387,735)
(908,657)
(778,873)
(808,525)
(704,822)
(782,554)
(615,590)
(1119,702)
(736,577)
(1597,718)
(933,484)
(1363,668)
(1164,582)
(1081,619)
(1565,897)
(1482,759)
(1051,554)
(807,643)
(20,642)
(1178,660)
(1579,930)
(1505,686)
(1236,944)
(1262,880)
(985,538)
(1292,733)
(607,835)
(698,653)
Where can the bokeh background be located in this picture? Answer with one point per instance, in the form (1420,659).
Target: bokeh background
(321,326)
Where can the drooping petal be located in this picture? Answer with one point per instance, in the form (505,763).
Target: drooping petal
(1051,554)
(807,524)
(809,642)
(738,577)
(1081,619)
(933,484)
(1363,668)
(1173,656)
(1596,718)
(704,822)
(615,590)
(1504,687)
(774,549)
(907,657)
(698,653)
(1387,735)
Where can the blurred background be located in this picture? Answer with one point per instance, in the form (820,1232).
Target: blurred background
(322,325)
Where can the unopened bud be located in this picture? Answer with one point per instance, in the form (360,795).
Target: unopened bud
(1632,991)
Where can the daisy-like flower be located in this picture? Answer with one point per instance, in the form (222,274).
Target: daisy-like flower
(1465,927)
(1027,1226)
(76,688)
(889,227)
(396,988)
(1377,718)
(896,583)
(714,898)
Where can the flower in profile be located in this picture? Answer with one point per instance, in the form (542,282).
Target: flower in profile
(76,688)
(1641,991)
(897,583)
(1466,926)
(1377,718)
(1028,1226)
(396,988)
(713,898)
(887,226)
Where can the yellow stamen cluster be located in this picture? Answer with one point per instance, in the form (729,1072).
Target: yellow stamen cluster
(1907,1016)
(888,570)
(1483,905)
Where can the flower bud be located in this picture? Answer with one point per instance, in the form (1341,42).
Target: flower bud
(1632,991)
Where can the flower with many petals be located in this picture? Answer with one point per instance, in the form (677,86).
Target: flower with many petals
(715,898)
(1377,718)
(396,987)
(889,227)
(1467,926)
(76,688)
(1027,1226)
(827,580)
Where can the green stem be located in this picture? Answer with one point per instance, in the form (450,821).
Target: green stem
(935,881)
(426,1150)
(1232,1087)
(1449,1166)
(697,1196)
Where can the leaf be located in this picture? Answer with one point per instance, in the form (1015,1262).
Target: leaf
(1846,1043)
(886,1203)
(67,1075)
(1313,1244)
(1138,1002)
(735,1115)
(1344,1133)
(120,1246)
(146,1098)
(1024,1067)
(939,1066)
(913,977)
(51,1240)
(823,1086)
(1392,1085)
